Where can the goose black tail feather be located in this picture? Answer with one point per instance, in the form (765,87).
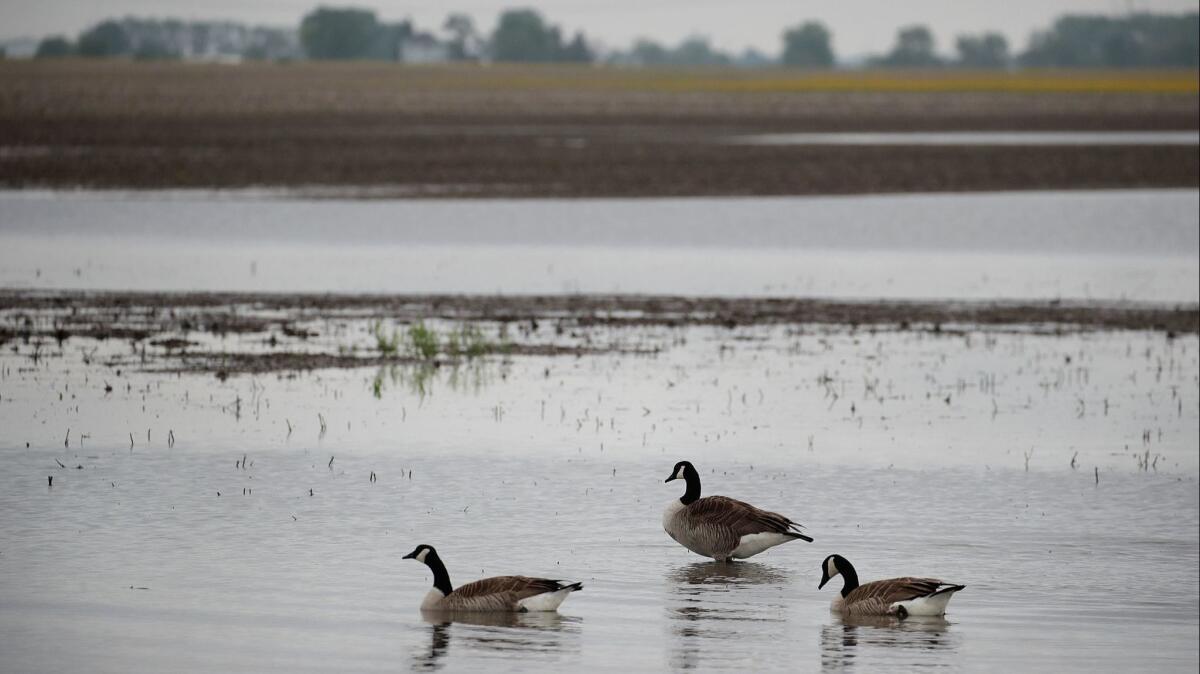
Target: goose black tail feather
(574,587)
(951,588)
(802,537)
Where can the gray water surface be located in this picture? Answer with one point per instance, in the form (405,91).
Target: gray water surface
(973,458)
(1061,575)
(962,138)
(1103,245)
(1055,475)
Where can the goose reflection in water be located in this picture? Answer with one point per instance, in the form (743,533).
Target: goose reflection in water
(911,642)
(545,632)
(725,573)
(711,601)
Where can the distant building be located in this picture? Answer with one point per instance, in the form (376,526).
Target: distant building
(424,48)
(209,41)
(220,42)
(19,48)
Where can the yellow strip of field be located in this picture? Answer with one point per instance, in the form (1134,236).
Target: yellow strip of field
(783,81)
(380,76)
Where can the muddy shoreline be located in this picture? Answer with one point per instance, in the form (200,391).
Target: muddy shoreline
(231,334)
(174,325)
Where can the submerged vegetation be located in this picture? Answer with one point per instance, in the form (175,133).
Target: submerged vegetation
(210,332)
(419,378)
(468,341)
(420,342)
(423,342)
(387,345)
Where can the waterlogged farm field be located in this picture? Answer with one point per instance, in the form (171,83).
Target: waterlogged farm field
(544,131)
(257,521)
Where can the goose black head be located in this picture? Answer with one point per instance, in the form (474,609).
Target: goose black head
(421,553)
(832,566)
(429,557)
(682,471)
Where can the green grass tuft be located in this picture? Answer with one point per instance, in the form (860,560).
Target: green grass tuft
(423,342)
(387,345)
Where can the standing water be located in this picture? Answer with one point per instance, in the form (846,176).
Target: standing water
(257,521)
(1103,245)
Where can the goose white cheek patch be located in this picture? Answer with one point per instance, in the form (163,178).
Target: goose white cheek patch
(421,556)
(679,475)
(830,569)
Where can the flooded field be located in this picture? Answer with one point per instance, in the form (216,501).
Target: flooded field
(199,522)
(206,468)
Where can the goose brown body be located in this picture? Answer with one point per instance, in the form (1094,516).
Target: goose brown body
(499,593)
(720,527)
(496,594)
(882,597)
(901,597)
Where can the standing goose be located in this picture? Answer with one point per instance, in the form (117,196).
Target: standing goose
(500,593)
(721,527)
(900,597)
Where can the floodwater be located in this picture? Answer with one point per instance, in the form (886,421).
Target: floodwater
(1089,245)
(1054,476)
(961,138)
(205,524)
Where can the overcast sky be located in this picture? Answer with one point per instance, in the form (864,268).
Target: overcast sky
(858,26)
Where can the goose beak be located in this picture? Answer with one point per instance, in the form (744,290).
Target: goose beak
(411,555)
(670,478)
(824,579)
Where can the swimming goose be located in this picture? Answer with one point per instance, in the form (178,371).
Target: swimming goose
(900,597)
(500,593)
(721,527)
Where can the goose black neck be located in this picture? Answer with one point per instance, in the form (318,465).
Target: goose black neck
(851,576)
(441,579)
(693,487)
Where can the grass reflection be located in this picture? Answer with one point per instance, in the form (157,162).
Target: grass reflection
(420,379)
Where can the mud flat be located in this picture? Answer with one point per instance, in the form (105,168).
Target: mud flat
(209,332)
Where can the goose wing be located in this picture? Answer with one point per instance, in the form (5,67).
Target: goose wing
(739,518)
(499,592)
(878,596)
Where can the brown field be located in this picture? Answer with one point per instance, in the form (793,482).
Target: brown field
(558,131)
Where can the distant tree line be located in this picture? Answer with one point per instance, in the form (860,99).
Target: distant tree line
(1074,41)
(1135,41)
(525,36)
(346,34)
(692,51)
(172,39)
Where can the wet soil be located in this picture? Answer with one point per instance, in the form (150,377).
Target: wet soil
(413,133)
(286,332)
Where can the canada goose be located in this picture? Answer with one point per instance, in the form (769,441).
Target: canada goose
(721,527)
(500,593)
(900,597)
